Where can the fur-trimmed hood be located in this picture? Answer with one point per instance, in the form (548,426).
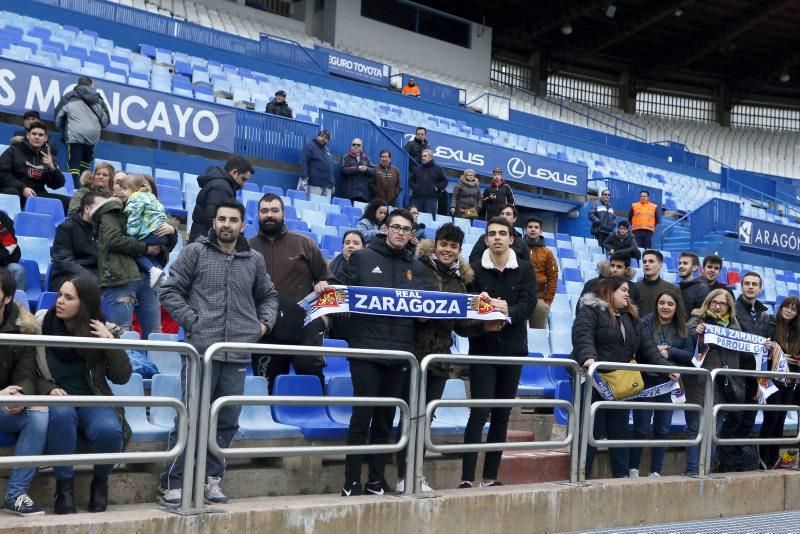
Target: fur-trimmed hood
(25,322)
(426,247)
(107,204)
(604,270)
(593,301)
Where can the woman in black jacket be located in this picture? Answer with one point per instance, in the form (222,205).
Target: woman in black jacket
(667,329)
(607,329)
(497,195)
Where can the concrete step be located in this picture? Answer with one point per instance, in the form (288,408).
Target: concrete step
(535,465)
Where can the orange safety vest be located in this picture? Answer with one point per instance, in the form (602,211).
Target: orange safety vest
(644,216)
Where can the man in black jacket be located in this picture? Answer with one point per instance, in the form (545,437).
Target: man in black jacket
(693,290)
(9,251)
(217,186)
(621,240)
(426,182)
(712,265)
(388,261)
(518,245)
(279,106)
(74,250)
(511,284)
(417,145)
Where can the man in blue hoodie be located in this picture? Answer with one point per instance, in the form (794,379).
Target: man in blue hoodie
(316,165)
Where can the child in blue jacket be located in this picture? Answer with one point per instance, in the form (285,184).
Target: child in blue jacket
(145,215)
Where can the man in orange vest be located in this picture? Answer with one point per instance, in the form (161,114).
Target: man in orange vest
(644,218)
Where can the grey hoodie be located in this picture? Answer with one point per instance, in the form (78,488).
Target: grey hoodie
(219,297)
(81,115)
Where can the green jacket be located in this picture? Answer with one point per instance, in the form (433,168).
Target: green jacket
(434,336)
(18,364)
(101,364)
(116,251)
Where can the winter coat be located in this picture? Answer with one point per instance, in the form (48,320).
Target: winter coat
(693,293)
(21,166)
(516,284)
(594,336)
(380,265)
(604,270)
(18,363)
(219,297)
(387,184)
(8,239)
(316,164)
(368,228)
(427,180)
(503,195)
(602,213)
(680,350)
(145,214)
(414,149)
(357,184)
(74,252)
(546,268)
(340,323)
(281,109)
(465,195)
(102,366)
(116,252)
(87,186)
(519,247)
(649,290)
(763,325)
(435,337)
(216,186)
(716,358)
(625,245)
(81,115)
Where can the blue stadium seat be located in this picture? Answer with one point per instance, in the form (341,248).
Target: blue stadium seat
(136,416)
(10,205)
(296,195)
(46,206)
(572,274)
(133,168)
(272,189)
(336,365)
(296,226)
(340,386)
(255,422)
(561,342)
(164,385)
(454,417)
(337,219)
(168,181)
(332,243)
(33,281)
(36,249)
(22,297)
(563,392)
(535,380)
(35,225)
(352,211)
(343,202)
(561,320)
(166,361)
(312,420)
(538,339)
(47,300)
(173,201)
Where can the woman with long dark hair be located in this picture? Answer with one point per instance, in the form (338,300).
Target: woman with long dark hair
(787,337)
(64,372)
(351,241)
(370,223)
(607,329)
(666,327)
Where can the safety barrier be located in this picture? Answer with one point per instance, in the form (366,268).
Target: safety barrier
(712,419)
(186,415)
(589,410)
(424,423)
(207,431)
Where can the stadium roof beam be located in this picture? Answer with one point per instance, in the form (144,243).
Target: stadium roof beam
(572,11)
(750,82)
(638,24)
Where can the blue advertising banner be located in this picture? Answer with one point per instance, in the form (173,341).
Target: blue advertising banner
(769,236)
(133,111)
(354,67)
(459,153)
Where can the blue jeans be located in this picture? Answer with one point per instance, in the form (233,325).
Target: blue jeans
(143,300)
(693,453)
(146,262)
(660,426)
(426,204)
(20,275)
(31,424)
(614,423)
(98,425)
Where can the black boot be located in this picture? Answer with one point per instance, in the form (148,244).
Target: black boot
(98,495)
(65,497)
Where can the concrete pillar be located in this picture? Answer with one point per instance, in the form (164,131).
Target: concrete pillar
(538,73)
(627,95)
(724,105)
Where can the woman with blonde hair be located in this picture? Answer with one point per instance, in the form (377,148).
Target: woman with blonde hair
(99,180)
(466,198)
(145,214)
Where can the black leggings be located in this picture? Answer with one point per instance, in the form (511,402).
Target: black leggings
(772,425)
(488,382)
(79,158)
(433,391)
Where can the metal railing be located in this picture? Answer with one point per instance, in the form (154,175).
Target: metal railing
(187,416)
(589,410)
(424,423)
(205,435)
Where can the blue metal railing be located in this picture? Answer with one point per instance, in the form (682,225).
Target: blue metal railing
(790,207)
(626,193)
(271,137)
(717,216)
(434,91)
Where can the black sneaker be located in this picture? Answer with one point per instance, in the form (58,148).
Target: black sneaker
(352,489)
(377,488)
(22,505)
(465,485)
(491,484)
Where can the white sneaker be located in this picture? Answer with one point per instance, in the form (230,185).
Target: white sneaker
(213,493)
(155,276)
(425,486)
(634,473)
(654,474)
(169,497)
(401,486)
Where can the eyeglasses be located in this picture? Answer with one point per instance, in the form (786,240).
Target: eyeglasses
(396,228)
(356,144)
(716,304)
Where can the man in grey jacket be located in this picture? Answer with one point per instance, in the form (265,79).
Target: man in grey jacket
(81,115)
(219,290)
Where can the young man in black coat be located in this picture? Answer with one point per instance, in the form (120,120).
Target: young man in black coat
(217,185)
(511,284)
(694,290)
(74,250)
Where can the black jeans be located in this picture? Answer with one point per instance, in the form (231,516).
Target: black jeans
(488,382)
(644,238)
(433,391)
(79,158)
(272,366)
(615,424)
(772,425)
(371,379)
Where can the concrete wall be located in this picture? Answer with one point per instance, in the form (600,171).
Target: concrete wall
(354,31)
